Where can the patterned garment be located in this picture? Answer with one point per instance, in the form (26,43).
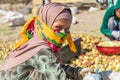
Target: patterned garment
(42,66)
(113,24)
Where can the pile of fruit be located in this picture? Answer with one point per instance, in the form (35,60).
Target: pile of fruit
(92,58)
(5,48)
(109,44)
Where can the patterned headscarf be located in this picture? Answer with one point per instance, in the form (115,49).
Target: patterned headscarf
(51,12)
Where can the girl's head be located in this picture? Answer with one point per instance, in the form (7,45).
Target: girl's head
(56,15)
(117,13)
(59,18)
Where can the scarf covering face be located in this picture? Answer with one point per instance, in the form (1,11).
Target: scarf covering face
(55,40)
(48,15)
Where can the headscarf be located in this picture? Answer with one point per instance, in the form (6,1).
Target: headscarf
(56,11)
(48,14)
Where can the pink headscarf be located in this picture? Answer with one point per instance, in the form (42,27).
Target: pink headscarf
(51,12)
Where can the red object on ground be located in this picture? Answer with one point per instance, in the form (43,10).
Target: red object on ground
(107,50)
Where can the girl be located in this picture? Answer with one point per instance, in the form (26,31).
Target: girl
(111,22)
(36,56)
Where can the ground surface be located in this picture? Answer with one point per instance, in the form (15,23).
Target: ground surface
(88,23)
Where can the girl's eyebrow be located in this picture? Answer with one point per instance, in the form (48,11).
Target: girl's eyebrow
(59,26)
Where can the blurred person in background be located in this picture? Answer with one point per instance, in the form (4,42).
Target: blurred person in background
(111,2)
(37,55)
(111,22)
(102,3)
(105,3)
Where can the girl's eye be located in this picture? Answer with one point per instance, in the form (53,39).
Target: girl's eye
(61,29)
(66,29)
(57,28)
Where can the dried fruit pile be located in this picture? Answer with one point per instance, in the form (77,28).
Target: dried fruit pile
(89,57)
(109,44)
(92,58)
(5,48)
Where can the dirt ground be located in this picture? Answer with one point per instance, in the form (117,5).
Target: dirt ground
(88,23)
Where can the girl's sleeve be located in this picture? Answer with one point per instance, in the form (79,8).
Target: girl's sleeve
(110,75)
(45,63)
